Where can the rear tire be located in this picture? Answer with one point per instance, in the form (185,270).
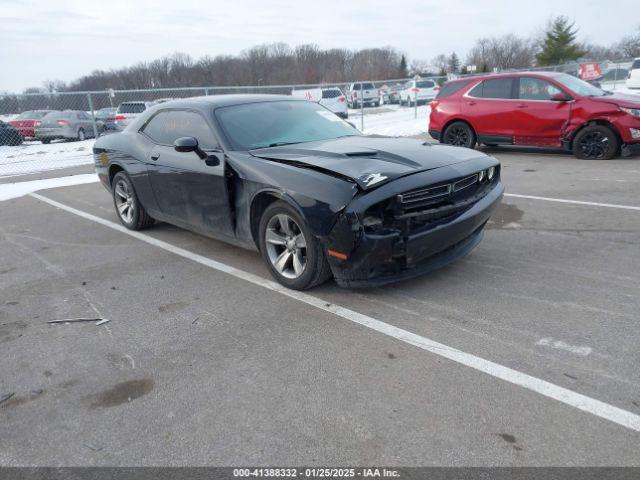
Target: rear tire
(596,142)
(285,240)
(459,134)
(130,211)
(46,141)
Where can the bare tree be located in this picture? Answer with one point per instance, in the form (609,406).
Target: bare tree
(505,52)
(630,45)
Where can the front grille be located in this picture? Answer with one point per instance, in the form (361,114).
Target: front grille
(424,195)
(465,182)
(440,203)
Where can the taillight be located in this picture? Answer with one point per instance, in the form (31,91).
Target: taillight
(434,104)
(415,90)
(353,94)
(63,123)
(342,99)
(436,89)
(37,123)
(120,117)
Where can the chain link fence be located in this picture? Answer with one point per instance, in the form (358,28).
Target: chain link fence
(44,131)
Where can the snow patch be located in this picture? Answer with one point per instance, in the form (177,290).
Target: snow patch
(34,157)
(19,189)
(394,121)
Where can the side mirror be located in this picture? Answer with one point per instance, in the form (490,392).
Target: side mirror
(189,144)
(561,97)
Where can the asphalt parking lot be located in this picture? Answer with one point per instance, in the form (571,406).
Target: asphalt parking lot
(201,364)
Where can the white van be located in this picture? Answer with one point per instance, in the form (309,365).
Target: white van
(634,74)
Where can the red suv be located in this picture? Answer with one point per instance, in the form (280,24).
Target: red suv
(542,109)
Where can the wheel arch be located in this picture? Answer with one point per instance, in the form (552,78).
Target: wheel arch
(597,121)
(457,119)
(114,168)
(260,202)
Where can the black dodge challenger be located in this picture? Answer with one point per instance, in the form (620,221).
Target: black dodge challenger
(306,189)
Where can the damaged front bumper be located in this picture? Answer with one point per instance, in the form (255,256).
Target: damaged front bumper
(389,255)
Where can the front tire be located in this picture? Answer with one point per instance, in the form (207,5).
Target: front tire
(292,254)
(130,211)
(459,134)
(595,142)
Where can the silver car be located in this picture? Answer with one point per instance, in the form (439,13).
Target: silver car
(127,111)
(66,125)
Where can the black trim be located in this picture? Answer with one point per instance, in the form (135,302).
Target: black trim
(495,139)
(629,149)
(435,134)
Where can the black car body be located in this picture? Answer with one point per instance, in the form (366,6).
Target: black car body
(380,208)
(10,135)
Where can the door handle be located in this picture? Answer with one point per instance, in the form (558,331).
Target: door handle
(155,156)
(471,102)
(522,105)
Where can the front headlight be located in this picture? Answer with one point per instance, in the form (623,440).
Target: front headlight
(491,172)
(634,112)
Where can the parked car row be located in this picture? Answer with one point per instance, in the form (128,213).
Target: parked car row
(48,125)
(540,109)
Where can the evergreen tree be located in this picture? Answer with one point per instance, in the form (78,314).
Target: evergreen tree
(454,63)
(559,43)
(402,69)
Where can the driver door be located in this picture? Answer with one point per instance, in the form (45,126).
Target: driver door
(538,120)
(188,191)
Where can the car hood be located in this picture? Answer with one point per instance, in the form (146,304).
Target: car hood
(620,99)
(370,161)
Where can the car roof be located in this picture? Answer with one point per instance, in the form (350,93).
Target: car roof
(226,100)
(511,75)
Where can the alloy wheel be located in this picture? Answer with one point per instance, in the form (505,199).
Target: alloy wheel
(286,246)
(125,203)
(594,145)
(458,136)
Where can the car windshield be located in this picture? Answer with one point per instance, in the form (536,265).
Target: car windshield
(269,124)
(366,86)
(580,87)
(131,108)
(31,114)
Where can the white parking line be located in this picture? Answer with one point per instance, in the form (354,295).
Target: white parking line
(574,202)
(550,390)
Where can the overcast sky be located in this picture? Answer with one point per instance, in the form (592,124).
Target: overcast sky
(64,39)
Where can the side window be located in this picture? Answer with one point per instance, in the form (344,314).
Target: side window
(493,88)
(450,88)
(169,125)
(536,89)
